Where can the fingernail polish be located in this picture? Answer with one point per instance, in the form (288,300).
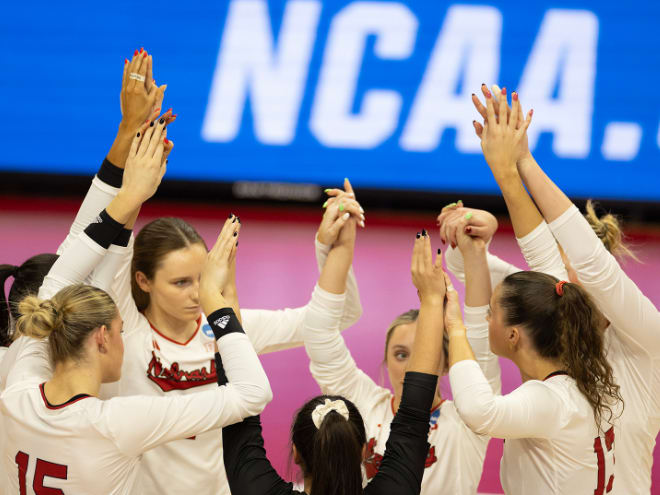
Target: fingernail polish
(439,251)
(165,141)
(169,109)
(453,245)
(125,61)
(144,55)
(483,84)
(504,91)
(424,232)
(488,95)
(419,235)
(531,112)
(152,124)
(459,201)
(174,116)
(167,161)
(135,53)
(468,229)
(514,96)
(239,219)
(157,109)
(235,234)
(234,220)
(161,121)
(326,190)
(138,134)
(473,94)
(230,215)
(141,49)
(236,243)
(325,204)
(341,207)
(468,215)
(474,122)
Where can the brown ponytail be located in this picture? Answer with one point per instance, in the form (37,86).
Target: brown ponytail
(155,241)
(331,456)
(564,325)
(608,229)
(66,320)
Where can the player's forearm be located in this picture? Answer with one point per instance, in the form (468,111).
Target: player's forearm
(522,211)
(548,197)
(121,146)
(335,271)
(459,346)
(477,277)
(425,357)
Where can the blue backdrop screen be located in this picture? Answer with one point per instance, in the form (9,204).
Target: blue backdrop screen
(313,91)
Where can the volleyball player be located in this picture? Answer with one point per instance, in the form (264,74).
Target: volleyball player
(60,436)
(456,454)
(633,323)
(328,434)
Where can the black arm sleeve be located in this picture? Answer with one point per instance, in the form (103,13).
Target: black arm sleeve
(110,173)
(249,471)
(104,230)
(403,464)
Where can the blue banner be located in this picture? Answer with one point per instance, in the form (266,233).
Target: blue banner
(313,91)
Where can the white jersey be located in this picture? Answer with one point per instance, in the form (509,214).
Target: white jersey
(455,459)
(633,346)
(552,444)
(155,365)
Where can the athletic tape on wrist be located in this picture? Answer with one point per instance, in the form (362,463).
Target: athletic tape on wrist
(104,229)
(223,321)
(110,173)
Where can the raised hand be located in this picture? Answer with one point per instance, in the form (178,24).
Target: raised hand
(427,277)
(140,97)
(476,223)
(339,209)
(501,138)
(523,147)
(218,267)
(453,315)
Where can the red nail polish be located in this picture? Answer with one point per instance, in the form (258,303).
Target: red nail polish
(165,141)
(514,96)
(145,55)
(157,110)
(531,112)
(468,229)
(169,109)
(135,53)
(504,91)
(141,49)
(174,116)
(453,245)
(488,95)
(125,61)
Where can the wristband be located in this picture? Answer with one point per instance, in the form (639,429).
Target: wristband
(110,174)
(104,229)
(122,238)
(224,321)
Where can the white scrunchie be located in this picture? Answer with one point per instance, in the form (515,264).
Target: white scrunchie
(319,413)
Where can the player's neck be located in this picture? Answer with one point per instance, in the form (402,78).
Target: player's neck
(71,379)
(171,327)
(534,367)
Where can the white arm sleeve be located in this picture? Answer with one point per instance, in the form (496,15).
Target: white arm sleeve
(631,313)
(331,363)
(498,268)
(353,305)
(141,423)
(276,330)
(120,290)
(541,252)
(531,411)
(477,334)
(97,199)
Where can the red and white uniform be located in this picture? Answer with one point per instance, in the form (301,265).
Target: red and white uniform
(633,346)
(155,366)
(455,459)
(90,446)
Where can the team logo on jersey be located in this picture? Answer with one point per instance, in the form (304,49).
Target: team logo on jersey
(222,321)
(374,459)
(174,378)
(433,421)
(208,331)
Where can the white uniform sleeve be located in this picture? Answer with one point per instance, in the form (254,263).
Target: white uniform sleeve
(631,313)
(141,423)
(541,252)
(498,268)
(26,359)
(531,411)
(331,363)
(477,334)
(276,330)
(98,197)
(352,305)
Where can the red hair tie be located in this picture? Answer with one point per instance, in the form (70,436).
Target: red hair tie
(559,288)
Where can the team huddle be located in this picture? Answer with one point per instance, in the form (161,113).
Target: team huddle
(127,365)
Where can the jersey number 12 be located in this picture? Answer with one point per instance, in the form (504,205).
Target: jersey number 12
(42,469)
(601,455)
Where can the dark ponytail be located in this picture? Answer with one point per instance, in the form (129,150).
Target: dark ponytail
(564,324)
(27,279)
(331,455)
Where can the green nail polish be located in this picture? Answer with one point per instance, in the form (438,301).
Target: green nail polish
(468,216)
(450,205)
(341,207)
(325,204)
(459,201)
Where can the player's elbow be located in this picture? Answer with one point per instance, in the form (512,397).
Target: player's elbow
(476,414)
(256,397)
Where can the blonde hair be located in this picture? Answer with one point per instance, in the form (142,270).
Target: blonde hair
(66,320)
(608,229)
(411,317)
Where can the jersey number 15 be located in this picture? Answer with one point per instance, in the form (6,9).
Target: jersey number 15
(42,469)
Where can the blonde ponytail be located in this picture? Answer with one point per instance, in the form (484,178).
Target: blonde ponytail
(608,229)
